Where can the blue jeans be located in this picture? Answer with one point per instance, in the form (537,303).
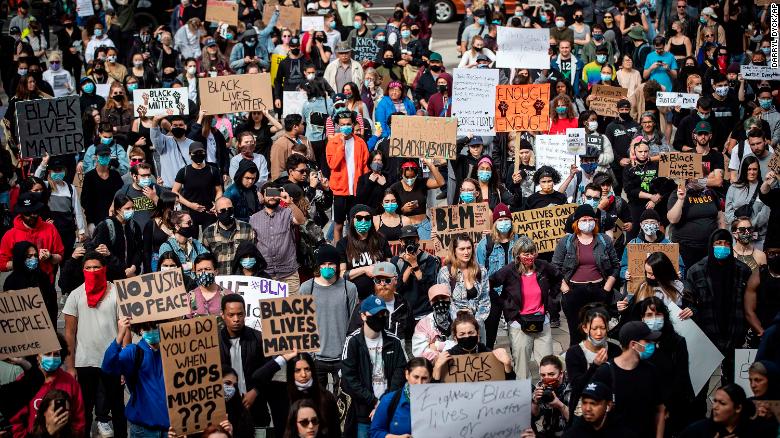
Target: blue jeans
(138,431)
(424,229)
(363,429)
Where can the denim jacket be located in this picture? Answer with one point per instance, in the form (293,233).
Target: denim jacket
(497,258)
(194,247)
(565,256)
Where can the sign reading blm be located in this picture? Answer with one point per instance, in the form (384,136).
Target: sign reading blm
(423,137)
(451,220)
(25,326)
(50,126)
(153,297)
(235,93)
(193,374)
(289,324)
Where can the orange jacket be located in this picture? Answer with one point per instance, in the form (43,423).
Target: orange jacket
(334,153)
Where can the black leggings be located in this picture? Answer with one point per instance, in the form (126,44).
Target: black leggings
(493,319)
(578,296)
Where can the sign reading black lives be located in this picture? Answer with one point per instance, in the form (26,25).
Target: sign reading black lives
(50,126)
(153,297)
(193,374)
(366,49)
(289,324)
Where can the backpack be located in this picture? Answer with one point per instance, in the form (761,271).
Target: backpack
(308,237)
(111,232)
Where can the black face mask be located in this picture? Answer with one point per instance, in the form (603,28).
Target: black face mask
(321,39)
(468,343)
(435,68)
(652,282)
(388,62)
(442,317)
(30,219)
(198,157)
(119,97)
(295,52)
(226,217)
(188,232)
(442,88)
(376,322)
(178,132)
(625,116)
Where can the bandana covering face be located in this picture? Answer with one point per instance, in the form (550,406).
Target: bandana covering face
(95,284)
(441,317)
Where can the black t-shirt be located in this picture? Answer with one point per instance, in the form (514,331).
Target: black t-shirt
(97,194)
(638,393)
(418,193)
(364,284)
(199,185)
(699,218)
(539,200)
(712,160)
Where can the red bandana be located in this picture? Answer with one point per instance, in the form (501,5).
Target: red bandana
(95,284)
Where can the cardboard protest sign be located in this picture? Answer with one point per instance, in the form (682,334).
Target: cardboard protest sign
(235,93)
(473,97)
(366,49)
(680,165)
(759,72)
(575,141)
(451,220)
(683,100)
(289,16)
(703,356)
(523,48)
(193,374)
(480,367)
(292,102)
(289,324)
(638,253)
(533,3)
(315,23)
(595,140)
(222,11)
(765,2)
(25,326)
(774,164)
(276,59)
(424,137)
(523,108)
(605,99)
(397,247)
(153,297)
(160,102)
(543,225)
(552,150)
(102,90)
(474,409)
(49,125)
(743,359)
(253,289)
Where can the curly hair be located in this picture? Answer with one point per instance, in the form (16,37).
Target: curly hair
(546,171)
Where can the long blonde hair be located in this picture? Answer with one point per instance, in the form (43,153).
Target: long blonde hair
(452,259)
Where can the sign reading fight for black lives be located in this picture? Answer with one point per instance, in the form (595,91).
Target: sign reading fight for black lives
(160,102)
(193,374)
(544,225)
(423,137)
(289,324)
(25,326)
(235,93)
(50,126)
(153,297)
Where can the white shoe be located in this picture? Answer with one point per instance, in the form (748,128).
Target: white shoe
(105,430)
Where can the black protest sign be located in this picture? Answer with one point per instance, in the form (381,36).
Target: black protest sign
(50,126)
(366,49)
(25,326)
(289,324)
(153,297)
(193,374)
(594,141)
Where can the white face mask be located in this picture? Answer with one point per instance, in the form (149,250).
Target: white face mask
(587,226)
(593,125)
(310,77)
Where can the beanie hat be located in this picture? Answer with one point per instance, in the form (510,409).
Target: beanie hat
(649,214)
(327,253)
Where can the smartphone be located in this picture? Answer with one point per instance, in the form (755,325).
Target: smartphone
(59,404)
(273,192)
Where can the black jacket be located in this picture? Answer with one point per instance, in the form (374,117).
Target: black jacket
(126,246)
(356,370)
(398,323)
(252,358)
(579,372)
(416,291)
(511,293)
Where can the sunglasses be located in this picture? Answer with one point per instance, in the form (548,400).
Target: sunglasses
(593,198)
(382,280)
(226,210)
(744,230)
(362,218)
(306,421)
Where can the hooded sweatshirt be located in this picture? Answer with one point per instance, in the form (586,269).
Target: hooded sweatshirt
(245,200)
(437,105)
(44,236)
(244,250)
(22,278)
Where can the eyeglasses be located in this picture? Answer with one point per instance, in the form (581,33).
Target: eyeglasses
(362,218)
(304,171)
(383,280)
(306,421)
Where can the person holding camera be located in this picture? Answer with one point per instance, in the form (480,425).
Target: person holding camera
(550,400)
(417,272)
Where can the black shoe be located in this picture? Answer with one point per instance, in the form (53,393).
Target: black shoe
(441,195)
(555,323)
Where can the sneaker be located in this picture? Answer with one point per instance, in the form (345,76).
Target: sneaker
(555,323)
(105,430)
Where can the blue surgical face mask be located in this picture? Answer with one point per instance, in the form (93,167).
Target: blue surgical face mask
(588,168)
(50,364)
(560,109)
(390,207)
(357,25)
(484,175)
(381,38)
(107,140)
(592,202)
(405,34)
(504,226)
(128,214)
(346,130)
(765,103)
(146,182)
(104,160)
(327,272)
(131,87)
(362,227)
(766,50)
(467,197)
(655,324)
(481,21)
(601,59)
(519,13)
(248,262)
(721,252)
(151,337)
(98,32)
(410,181)
(598,36)
(647,353)
(57,176)
(229,390)
(89,88)
(21,71)
(332,25)
(31,263)
(606,77)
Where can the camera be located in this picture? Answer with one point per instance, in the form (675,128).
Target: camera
(548,395)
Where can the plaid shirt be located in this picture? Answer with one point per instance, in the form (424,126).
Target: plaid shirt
(224,248)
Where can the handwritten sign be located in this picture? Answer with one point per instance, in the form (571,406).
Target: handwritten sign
(552,150)
(523,108)
(594,140)
(84,8)
(236,93)
(289,324)
(523,48)
(153,297)
(683,100)
(50,126)
(743,359)
(276,59)
(473,94)
(193,374)
(575,141)
(451,220)
(25,326)
(424,137)
(605,99)
(366,49)
(253,289)
(222,11)
(313,23)
(160,102)
(289,16)
(293,101)
(475,409)
(680,165)
(543,225)
(481,367)
(703,356)
(638,253)
(759,72)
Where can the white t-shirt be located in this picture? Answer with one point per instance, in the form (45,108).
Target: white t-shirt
(97,326)
(390,305)
(349,155)
(377,364)
(235,363)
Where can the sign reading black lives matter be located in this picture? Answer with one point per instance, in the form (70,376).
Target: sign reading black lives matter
(366,49)
(25,326)
(423,137)
(289,324)
(50,126)
(153,102)
(153,297)
(193,374)
(235,93)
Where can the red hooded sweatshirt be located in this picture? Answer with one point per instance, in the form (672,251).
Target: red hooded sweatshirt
(22,422)
(43,236)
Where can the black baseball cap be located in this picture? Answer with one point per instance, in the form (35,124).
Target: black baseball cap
(637,331)
(597,391)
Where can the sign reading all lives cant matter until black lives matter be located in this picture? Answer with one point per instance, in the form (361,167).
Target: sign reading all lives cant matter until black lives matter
(424,137)
(153,102)
(680,165)
(475,409)
(522,108)
(193,374)
(153,297)
(253,289)
(50,126)
(473,97)
(605,99)
(544,225)
(289,324)
(25,326)
(235,93)
(451,220)
(480,367)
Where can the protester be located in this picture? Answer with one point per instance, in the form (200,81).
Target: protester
(227,234)
(393,414)
(183,242)
(465,333)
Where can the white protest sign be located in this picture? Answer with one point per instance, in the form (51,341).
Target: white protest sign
(253,289)
(85,8)
(477,409)
(473,100)
(314,23)
(683,100)
(703,356)
(551,150)
(293,102)
(102,90)
(760,72)
(160,102)
(523,48)
(743,358)
(575,140)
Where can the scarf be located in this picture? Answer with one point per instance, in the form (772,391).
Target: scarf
(442,318)
(95,284)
